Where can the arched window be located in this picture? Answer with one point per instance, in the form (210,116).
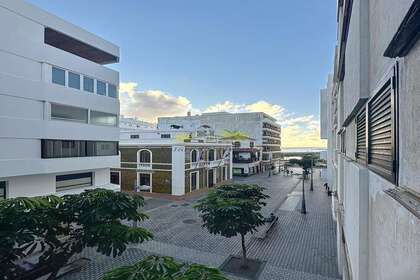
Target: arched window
(211,154)
(144,156)
(194,156)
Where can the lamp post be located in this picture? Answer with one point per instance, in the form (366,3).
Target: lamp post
(303,208)
(312,175)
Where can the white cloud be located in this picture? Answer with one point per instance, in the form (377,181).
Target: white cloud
(297,131)
(150,104)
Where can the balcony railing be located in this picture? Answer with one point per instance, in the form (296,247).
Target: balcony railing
(144,165)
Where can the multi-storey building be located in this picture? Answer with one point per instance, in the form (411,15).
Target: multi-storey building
(171,167)
(59,104)
(260,126)
(371,113)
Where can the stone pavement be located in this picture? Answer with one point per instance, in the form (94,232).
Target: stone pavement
(297,247)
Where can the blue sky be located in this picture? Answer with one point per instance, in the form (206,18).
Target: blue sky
(209,52)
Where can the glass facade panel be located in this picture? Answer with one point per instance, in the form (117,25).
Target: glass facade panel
(77,148)
(74,80)
(58,76)
(112,91)
(88,84)
(68,113)
(78,180)
(145,156)
(102,118)
(100,88)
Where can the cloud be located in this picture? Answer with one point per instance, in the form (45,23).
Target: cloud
(150,104)
(297,130)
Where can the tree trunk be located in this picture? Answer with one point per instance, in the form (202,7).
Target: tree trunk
(244,262)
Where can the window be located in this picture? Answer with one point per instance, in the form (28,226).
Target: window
(382,135)
(58,76)
(102,118)
(342,134)
(211,155)
(115,178)
(134,136)
(68,113)
(88,84)
(74,80)
(236,144)
(144,179)
(194,156)
(166,136)
(70,181)
(112,91)
(102,148)
(251,144)
(361,135)
(100,88)
(145,156)
(3,185)
(77,148)
(194,180)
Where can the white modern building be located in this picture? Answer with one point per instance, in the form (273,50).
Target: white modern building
(371,118)
(59,104)
(260,126)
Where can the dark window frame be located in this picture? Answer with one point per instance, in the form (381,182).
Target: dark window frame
(3,185)
(89,148)
(390,82)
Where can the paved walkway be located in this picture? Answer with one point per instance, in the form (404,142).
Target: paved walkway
(298,246)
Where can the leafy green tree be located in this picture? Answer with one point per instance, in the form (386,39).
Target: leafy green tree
(164,268)
(233,209)
(57,228)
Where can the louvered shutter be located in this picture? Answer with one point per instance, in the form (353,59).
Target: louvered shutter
(361,152)
(381,117)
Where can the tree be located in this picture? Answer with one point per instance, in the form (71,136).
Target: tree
(59,227)
(233,209)
(164,268)
(235,135)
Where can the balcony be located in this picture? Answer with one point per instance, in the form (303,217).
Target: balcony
(144,166)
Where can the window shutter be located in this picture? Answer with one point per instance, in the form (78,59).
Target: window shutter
(361,135)
(381,130)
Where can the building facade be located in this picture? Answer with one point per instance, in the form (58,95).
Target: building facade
(260,126)
(247,158)
(371,113)
(172,168)
(59,104)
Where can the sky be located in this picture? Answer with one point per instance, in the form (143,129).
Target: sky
(217,55)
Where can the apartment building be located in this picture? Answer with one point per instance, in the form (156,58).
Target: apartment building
(59,105)
(370,116)
(260,126)
(171,167)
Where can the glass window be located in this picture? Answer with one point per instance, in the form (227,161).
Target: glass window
(211,155)
(134,136)
(115,178)
(3,190)
(100,88)
(105,148)
(69,113)
(112,91)
(165,136)
(145,156)
(78,180)
(77,148)
(144,179)
(58,76)
(194,156)
(102,118)
(88,84)
(74,80)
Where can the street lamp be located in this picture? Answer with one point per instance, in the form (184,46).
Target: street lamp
(303,208)
(312,175)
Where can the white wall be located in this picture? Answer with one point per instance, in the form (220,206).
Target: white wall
(178,170)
